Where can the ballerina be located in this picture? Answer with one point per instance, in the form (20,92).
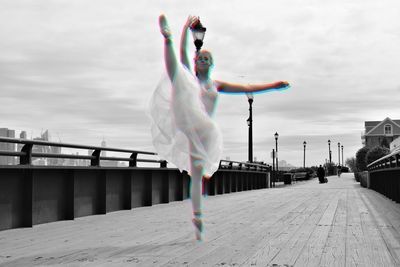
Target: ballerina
(181,109)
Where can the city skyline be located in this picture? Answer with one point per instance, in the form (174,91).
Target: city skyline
(86,70)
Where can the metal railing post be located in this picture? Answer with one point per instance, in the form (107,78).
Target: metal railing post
(133,162)
(27,158)
(163,164)
(96,160)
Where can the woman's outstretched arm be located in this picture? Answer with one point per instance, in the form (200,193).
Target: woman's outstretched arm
(184,40)
(249,88)
(169,53)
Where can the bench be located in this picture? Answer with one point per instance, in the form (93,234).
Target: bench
(300,176)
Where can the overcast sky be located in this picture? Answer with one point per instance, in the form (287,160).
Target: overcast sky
(85,70)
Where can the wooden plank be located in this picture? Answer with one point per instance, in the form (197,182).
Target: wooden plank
(240,223)
(294,247)
(385,237)
(357,252)
(272,245)
(313,249)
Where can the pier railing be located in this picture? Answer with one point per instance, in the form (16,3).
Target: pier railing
(384,175)
(237,165)
(27,153)
(33,194)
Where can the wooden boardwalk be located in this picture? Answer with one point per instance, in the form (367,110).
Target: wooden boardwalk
(305,224)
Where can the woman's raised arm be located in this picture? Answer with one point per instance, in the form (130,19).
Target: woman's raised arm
(249,88)
(184,40)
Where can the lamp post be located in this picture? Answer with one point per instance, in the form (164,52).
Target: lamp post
(276,135)
(198,32)
(250,98)
(338,146)
(329,151)
(342,157)
(273,168)
(304,158)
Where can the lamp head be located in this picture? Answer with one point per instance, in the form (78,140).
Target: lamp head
(250,97)
(198,32)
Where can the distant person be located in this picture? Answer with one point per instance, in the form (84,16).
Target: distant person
(321,174)
(339,170)
(181,110)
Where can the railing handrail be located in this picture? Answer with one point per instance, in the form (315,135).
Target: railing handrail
(245,164)
(26,152)
(55,144)
(395,154)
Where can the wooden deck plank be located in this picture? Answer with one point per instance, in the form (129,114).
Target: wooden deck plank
(295,245)
(384,237)
(312,251)
(305,224)
(242,226)
(356,248)
(333,253)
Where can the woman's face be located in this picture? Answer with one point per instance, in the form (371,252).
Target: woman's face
(203,60)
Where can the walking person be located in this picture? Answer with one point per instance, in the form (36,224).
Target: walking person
(182,108)
(339,170)
(321,174)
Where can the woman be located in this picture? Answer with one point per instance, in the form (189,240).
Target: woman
(183,130)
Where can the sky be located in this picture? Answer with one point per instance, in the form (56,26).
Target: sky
(86,69)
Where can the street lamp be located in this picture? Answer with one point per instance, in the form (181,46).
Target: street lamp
(198,32)
(276,135)
(304,158)
(338,145)
(273,169)
(342,157)
(329,151)
(250,98)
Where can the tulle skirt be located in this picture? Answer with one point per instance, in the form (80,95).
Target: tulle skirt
(181,128)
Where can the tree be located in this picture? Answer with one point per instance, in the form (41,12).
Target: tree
(385,143)
(376,153)
(351,162)
(361,163)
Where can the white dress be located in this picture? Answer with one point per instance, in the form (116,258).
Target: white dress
(181,122)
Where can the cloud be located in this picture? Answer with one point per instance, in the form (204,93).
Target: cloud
(85,70)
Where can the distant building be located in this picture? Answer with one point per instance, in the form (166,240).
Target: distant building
(5,132)
(103,153)
(380,133)
(23,135)
(46,149)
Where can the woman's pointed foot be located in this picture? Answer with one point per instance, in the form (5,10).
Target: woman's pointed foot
(164,28)
(198,228)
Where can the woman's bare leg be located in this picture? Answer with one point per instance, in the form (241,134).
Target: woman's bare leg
(196,170)
(169,53)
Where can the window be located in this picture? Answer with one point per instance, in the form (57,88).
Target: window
(388,129)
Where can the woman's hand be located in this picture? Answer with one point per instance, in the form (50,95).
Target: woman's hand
(164,28)
(191,21)
(282,84)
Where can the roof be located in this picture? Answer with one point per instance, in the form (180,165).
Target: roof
(394,122)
